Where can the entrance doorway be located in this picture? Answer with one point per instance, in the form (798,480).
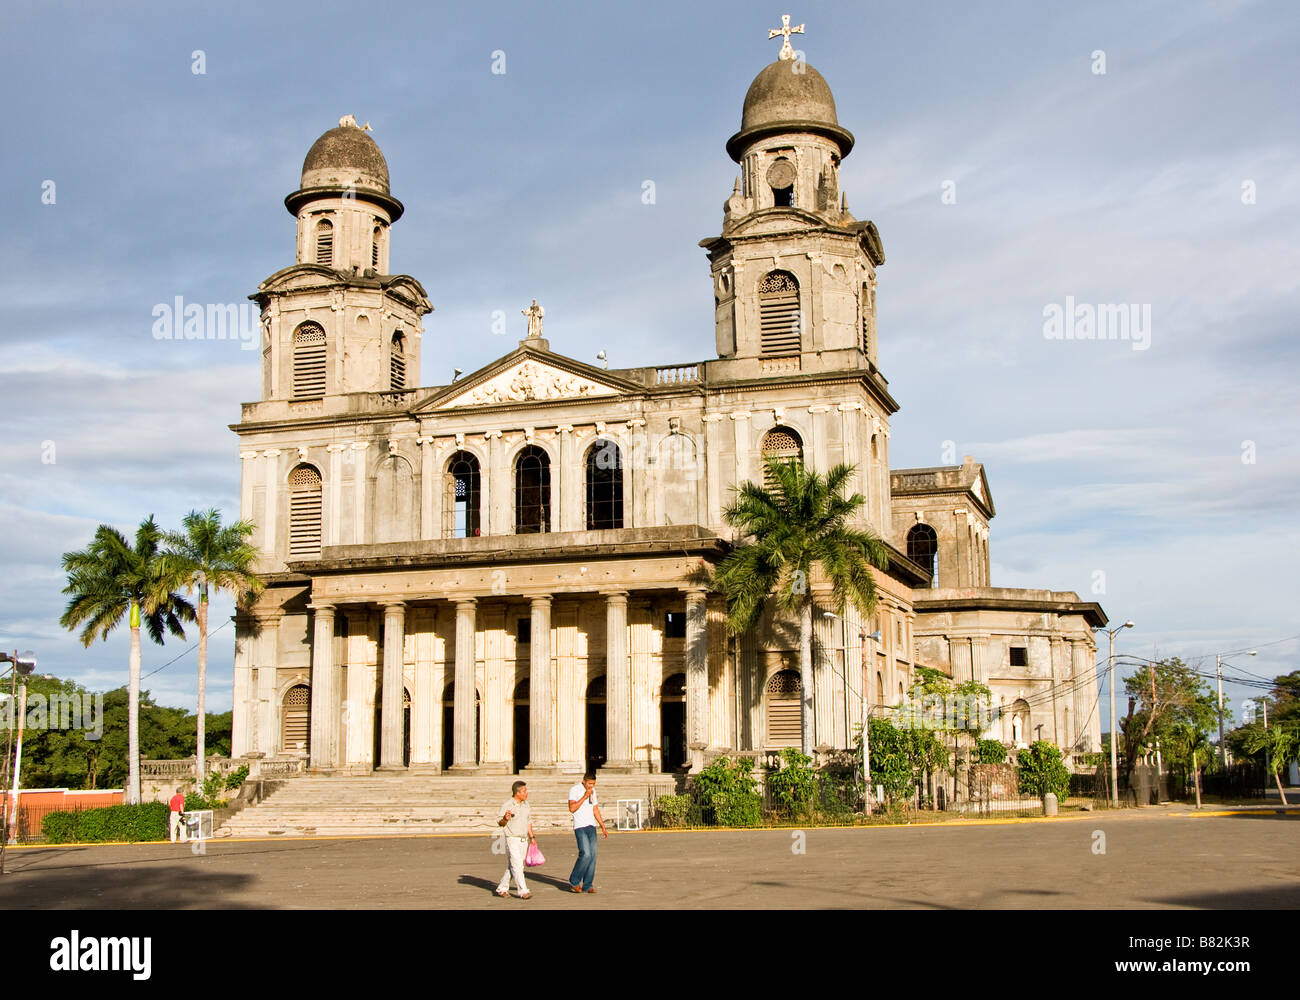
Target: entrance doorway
(522,732)
(672,722)
(596,724)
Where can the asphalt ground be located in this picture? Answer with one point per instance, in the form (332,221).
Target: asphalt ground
(1144,859)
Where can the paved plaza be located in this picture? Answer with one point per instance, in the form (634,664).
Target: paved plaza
(1157,858)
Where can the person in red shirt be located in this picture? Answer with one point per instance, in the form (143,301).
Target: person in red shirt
(177,827)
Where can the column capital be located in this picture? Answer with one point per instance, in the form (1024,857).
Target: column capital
(739,415)
(271,453)
(538,602)
(393,607)
(322,607)
(614,595)
(246,455)
(465,602)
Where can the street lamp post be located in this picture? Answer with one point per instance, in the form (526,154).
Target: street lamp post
(24,664)
(1114,754)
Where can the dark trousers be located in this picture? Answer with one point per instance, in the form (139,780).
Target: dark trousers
(584,869)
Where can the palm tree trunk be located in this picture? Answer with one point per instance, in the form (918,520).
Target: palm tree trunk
(203,677)
(805,671)
(1277,776)
(133,713)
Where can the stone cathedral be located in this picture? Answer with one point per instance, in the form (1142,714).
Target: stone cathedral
(501,574)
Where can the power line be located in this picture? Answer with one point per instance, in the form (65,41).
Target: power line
(184,652)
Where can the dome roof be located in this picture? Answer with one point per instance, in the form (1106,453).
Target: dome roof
(345,158)
(788,96)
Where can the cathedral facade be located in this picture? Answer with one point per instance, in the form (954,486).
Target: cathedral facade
(508,573)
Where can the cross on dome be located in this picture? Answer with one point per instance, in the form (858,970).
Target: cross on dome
(785,31)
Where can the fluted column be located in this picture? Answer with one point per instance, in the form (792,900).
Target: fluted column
(266,735)
(464,711)
(541,690)
(324,702)
(697,675)
(390,735)
(618,685)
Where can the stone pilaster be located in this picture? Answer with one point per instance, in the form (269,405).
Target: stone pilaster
(541,691)
(272,469)
(464,710)
(618,686)
(697,675)
(242,721)
(324,681)
(266,732)
(390,735)
(430,490)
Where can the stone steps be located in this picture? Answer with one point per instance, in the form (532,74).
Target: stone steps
(405,804)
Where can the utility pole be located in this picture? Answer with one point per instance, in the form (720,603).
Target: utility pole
(1114,735)
(1218,671)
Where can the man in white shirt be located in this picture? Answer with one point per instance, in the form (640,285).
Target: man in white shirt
(586,817)
(517,818)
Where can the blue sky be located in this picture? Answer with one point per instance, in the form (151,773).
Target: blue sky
(1117,187)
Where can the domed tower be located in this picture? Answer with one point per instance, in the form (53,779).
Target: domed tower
(793,271)
(336,321)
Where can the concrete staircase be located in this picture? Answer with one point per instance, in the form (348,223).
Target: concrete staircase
(403,804)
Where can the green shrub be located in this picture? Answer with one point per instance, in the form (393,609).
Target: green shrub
(794,784)
(147,821)
(1041,770)
(673,810)
(991,752)
(237,777)
(737,808)
(726,793)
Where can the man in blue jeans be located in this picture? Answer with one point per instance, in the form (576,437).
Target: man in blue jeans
(586,817)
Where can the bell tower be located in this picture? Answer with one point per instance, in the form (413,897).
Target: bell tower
(336,321)
(794,273)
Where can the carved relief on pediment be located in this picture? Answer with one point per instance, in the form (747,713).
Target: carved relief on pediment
(527,382)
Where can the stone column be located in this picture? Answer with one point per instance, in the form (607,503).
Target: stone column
(324,702)
(618,686)
(390,736)
(266,735)
(464,711)
(541,691)
(359,494)
(242,724)
(273,546)
(697,676)
(333,530)
(430,491)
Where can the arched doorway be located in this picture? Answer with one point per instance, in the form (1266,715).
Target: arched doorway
(295,720)
(522,732)
(596,723)
(449,726)
(784,712)
(672,722)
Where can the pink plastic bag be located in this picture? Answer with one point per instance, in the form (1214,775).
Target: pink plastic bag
(534,856)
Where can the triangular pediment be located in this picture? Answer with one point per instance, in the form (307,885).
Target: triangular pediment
(526,376)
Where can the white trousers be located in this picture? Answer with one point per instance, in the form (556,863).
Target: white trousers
(178,828)
(516,850)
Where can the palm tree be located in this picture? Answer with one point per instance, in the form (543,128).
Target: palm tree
(110,579)
(798,524)
(1277,746)
(208,553)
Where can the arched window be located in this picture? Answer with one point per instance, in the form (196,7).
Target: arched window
(308,362)
(604,486)
(778,313)
(532,491)
(780,443)
(460,501)
(923,549)
(784,713)
(295,720)
(375,239)
(325,243)
(397,362)
(304,513)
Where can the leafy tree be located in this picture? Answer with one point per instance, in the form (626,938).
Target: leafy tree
(208,553)
(112,579)
(991,751)
(798,526)
(1041,770)
(891,766)
(794,783)
(1169,702)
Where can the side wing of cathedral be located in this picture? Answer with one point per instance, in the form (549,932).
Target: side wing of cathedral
(508,573)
